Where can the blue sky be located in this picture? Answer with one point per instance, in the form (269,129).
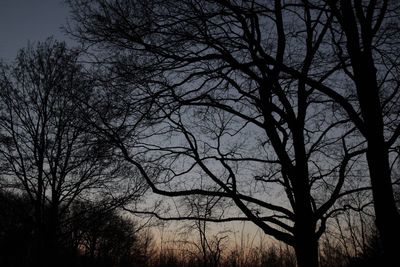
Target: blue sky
(23,21)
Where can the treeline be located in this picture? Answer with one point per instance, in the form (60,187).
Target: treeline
(93,236)
(89,236)
(274,256)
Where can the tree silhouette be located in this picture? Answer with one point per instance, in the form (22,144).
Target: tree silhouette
(228,99)
(372,67)
(47,152)
(90,236)
(106,238)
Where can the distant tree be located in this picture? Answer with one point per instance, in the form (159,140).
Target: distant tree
(106,238)
(46,151)
(207,247)
(219,98)
(94,236)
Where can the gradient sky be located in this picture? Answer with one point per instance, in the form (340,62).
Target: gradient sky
(23,21)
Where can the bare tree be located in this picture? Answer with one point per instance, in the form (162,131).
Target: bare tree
(368,42)
(46,150)
(345,50)
(108,238)
(209,247)
(230,89)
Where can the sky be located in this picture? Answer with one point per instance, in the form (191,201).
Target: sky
(23,21)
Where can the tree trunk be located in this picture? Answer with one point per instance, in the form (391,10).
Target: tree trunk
(387,215)
(38,230)
(305,240)
(359,44)
(306,246)
(52,246)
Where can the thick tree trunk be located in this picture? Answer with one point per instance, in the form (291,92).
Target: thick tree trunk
(38,231)
(305,240)
(360,48)
(306,245)
(387,215)
(52,231)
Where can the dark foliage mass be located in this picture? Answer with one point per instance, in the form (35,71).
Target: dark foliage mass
(90,236)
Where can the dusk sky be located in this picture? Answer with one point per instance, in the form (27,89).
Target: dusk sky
(23,21)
